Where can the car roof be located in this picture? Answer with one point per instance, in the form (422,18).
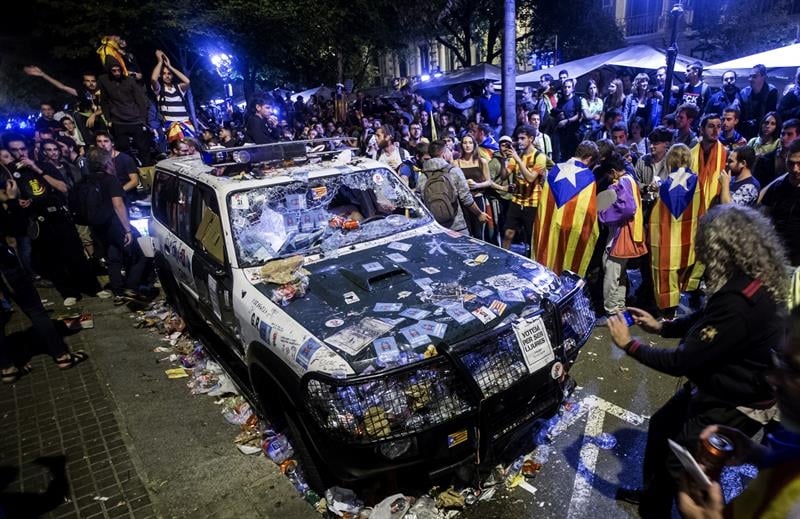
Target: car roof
(194,168)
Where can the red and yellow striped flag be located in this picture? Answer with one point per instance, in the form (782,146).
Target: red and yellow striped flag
(708,167)
(566,224)
(673,225)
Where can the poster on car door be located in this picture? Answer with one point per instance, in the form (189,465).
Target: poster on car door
(534,343)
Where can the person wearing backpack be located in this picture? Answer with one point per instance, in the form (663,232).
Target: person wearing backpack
(172,107)
(445,191)
(112,228)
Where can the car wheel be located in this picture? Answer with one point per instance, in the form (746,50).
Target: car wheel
(316,478)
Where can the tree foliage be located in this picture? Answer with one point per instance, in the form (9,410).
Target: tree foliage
(580,29)
(727,31)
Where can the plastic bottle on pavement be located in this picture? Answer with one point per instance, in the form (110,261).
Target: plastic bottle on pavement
(279,449)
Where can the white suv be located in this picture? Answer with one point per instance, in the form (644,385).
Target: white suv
(382,339)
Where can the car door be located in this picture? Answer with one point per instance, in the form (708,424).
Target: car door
(210,267)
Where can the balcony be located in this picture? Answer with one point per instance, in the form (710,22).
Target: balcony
(641,25)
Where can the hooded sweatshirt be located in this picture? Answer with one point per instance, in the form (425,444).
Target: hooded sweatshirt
(123,101)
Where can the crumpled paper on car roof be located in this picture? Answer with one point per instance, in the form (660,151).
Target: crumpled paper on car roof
(282,271)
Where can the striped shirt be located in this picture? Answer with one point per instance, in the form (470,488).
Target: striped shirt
(527,193)
(171,105)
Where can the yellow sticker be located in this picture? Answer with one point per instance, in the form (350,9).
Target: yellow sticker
(708,333)
(482,258)
(457,438)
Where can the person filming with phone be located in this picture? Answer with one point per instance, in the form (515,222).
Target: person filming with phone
(725,350)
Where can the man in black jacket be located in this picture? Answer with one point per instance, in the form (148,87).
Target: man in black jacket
(125,108)
(757,99)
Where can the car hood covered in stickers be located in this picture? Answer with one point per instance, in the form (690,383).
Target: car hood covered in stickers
(386,305)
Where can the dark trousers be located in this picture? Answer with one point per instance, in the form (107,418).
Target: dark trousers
(20,288)
(499,208)
(477,229)
(111,237)
(681,419)
(61,250)
(124,133)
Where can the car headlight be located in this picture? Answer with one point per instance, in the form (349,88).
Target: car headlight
(387,405)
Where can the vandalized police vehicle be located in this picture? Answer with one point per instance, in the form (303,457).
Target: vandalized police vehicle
(384,340)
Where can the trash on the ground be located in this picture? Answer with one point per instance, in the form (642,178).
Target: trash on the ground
(101,498)
(342,500)
(450,498)
(249,449)
(392,507)
(527,486)
(176,373)
(424,508)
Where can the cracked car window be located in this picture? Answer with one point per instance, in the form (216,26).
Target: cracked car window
(321,215)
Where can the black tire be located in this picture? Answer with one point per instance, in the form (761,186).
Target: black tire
(316,477)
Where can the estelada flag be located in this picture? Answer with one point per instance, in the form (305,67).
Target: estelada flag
(673,225)
(708,167)
(566,224)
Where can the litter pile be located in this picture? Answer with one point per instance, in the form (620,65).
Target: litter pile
(188,360)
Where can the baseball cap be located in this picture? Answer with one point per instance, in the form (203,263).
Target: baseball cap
(506,138)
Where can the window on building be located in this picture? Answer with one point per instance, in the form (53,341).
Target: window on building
(424,59)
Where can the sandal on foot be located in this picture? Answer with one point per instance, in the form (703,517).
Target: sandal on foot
(71,359)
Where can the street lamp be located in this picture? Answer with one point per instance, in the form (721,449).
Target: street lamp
(672,55)
(223,63)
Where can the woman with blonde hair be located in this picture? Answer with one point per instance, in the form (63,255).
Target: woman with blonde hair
(672,228)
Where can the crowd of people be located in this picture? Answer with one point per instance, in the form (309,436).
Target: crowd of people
(599,183)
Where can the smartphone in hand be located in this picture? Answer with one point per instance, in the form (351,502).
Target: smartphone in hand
(628,318)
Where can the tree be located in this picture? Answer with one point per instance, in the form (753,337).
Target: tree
(581,28)
(719,33)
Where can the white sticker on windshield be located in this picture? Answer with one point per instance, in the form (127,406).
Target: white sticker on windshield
(372,267)
(240,201)
(534,343)
(295,202)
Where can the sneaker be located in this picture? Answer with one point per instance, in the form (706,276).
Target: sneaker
(70,301)
(105,294)
(119,300)
(132,295)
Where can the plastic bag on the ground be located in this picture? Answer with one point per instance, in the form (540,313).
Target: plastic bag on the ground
(342,500)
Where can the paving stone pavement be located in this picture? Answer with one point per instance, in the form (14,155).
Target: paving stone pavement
(65,420)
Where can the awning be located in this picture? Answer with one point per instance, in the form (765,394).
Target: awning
(480,72)
(636,56)
(320,91)
(781,63)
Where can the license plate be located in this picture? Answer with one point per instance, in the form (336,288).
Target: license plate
(534,343)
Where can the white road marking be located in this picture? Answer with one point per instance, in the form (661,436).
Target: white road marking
(596,408)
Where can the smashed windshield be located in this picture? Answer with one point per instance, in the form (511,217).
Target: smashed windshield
(321,215)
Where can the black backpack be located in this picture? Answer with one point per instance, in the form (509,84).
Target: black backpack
(440,197)
(88,203)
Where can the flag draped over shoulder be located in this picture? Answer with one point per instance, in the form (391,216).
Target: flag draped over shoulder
(708,167)
(673,225)
(566,224)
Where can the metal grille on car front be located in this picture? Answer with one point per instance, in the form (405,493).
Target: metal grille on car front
(388,404)
(577,319)
(498,363)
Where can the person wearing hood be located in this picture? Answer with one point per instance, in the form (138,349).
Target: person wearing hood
(125,107)
(438,166)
